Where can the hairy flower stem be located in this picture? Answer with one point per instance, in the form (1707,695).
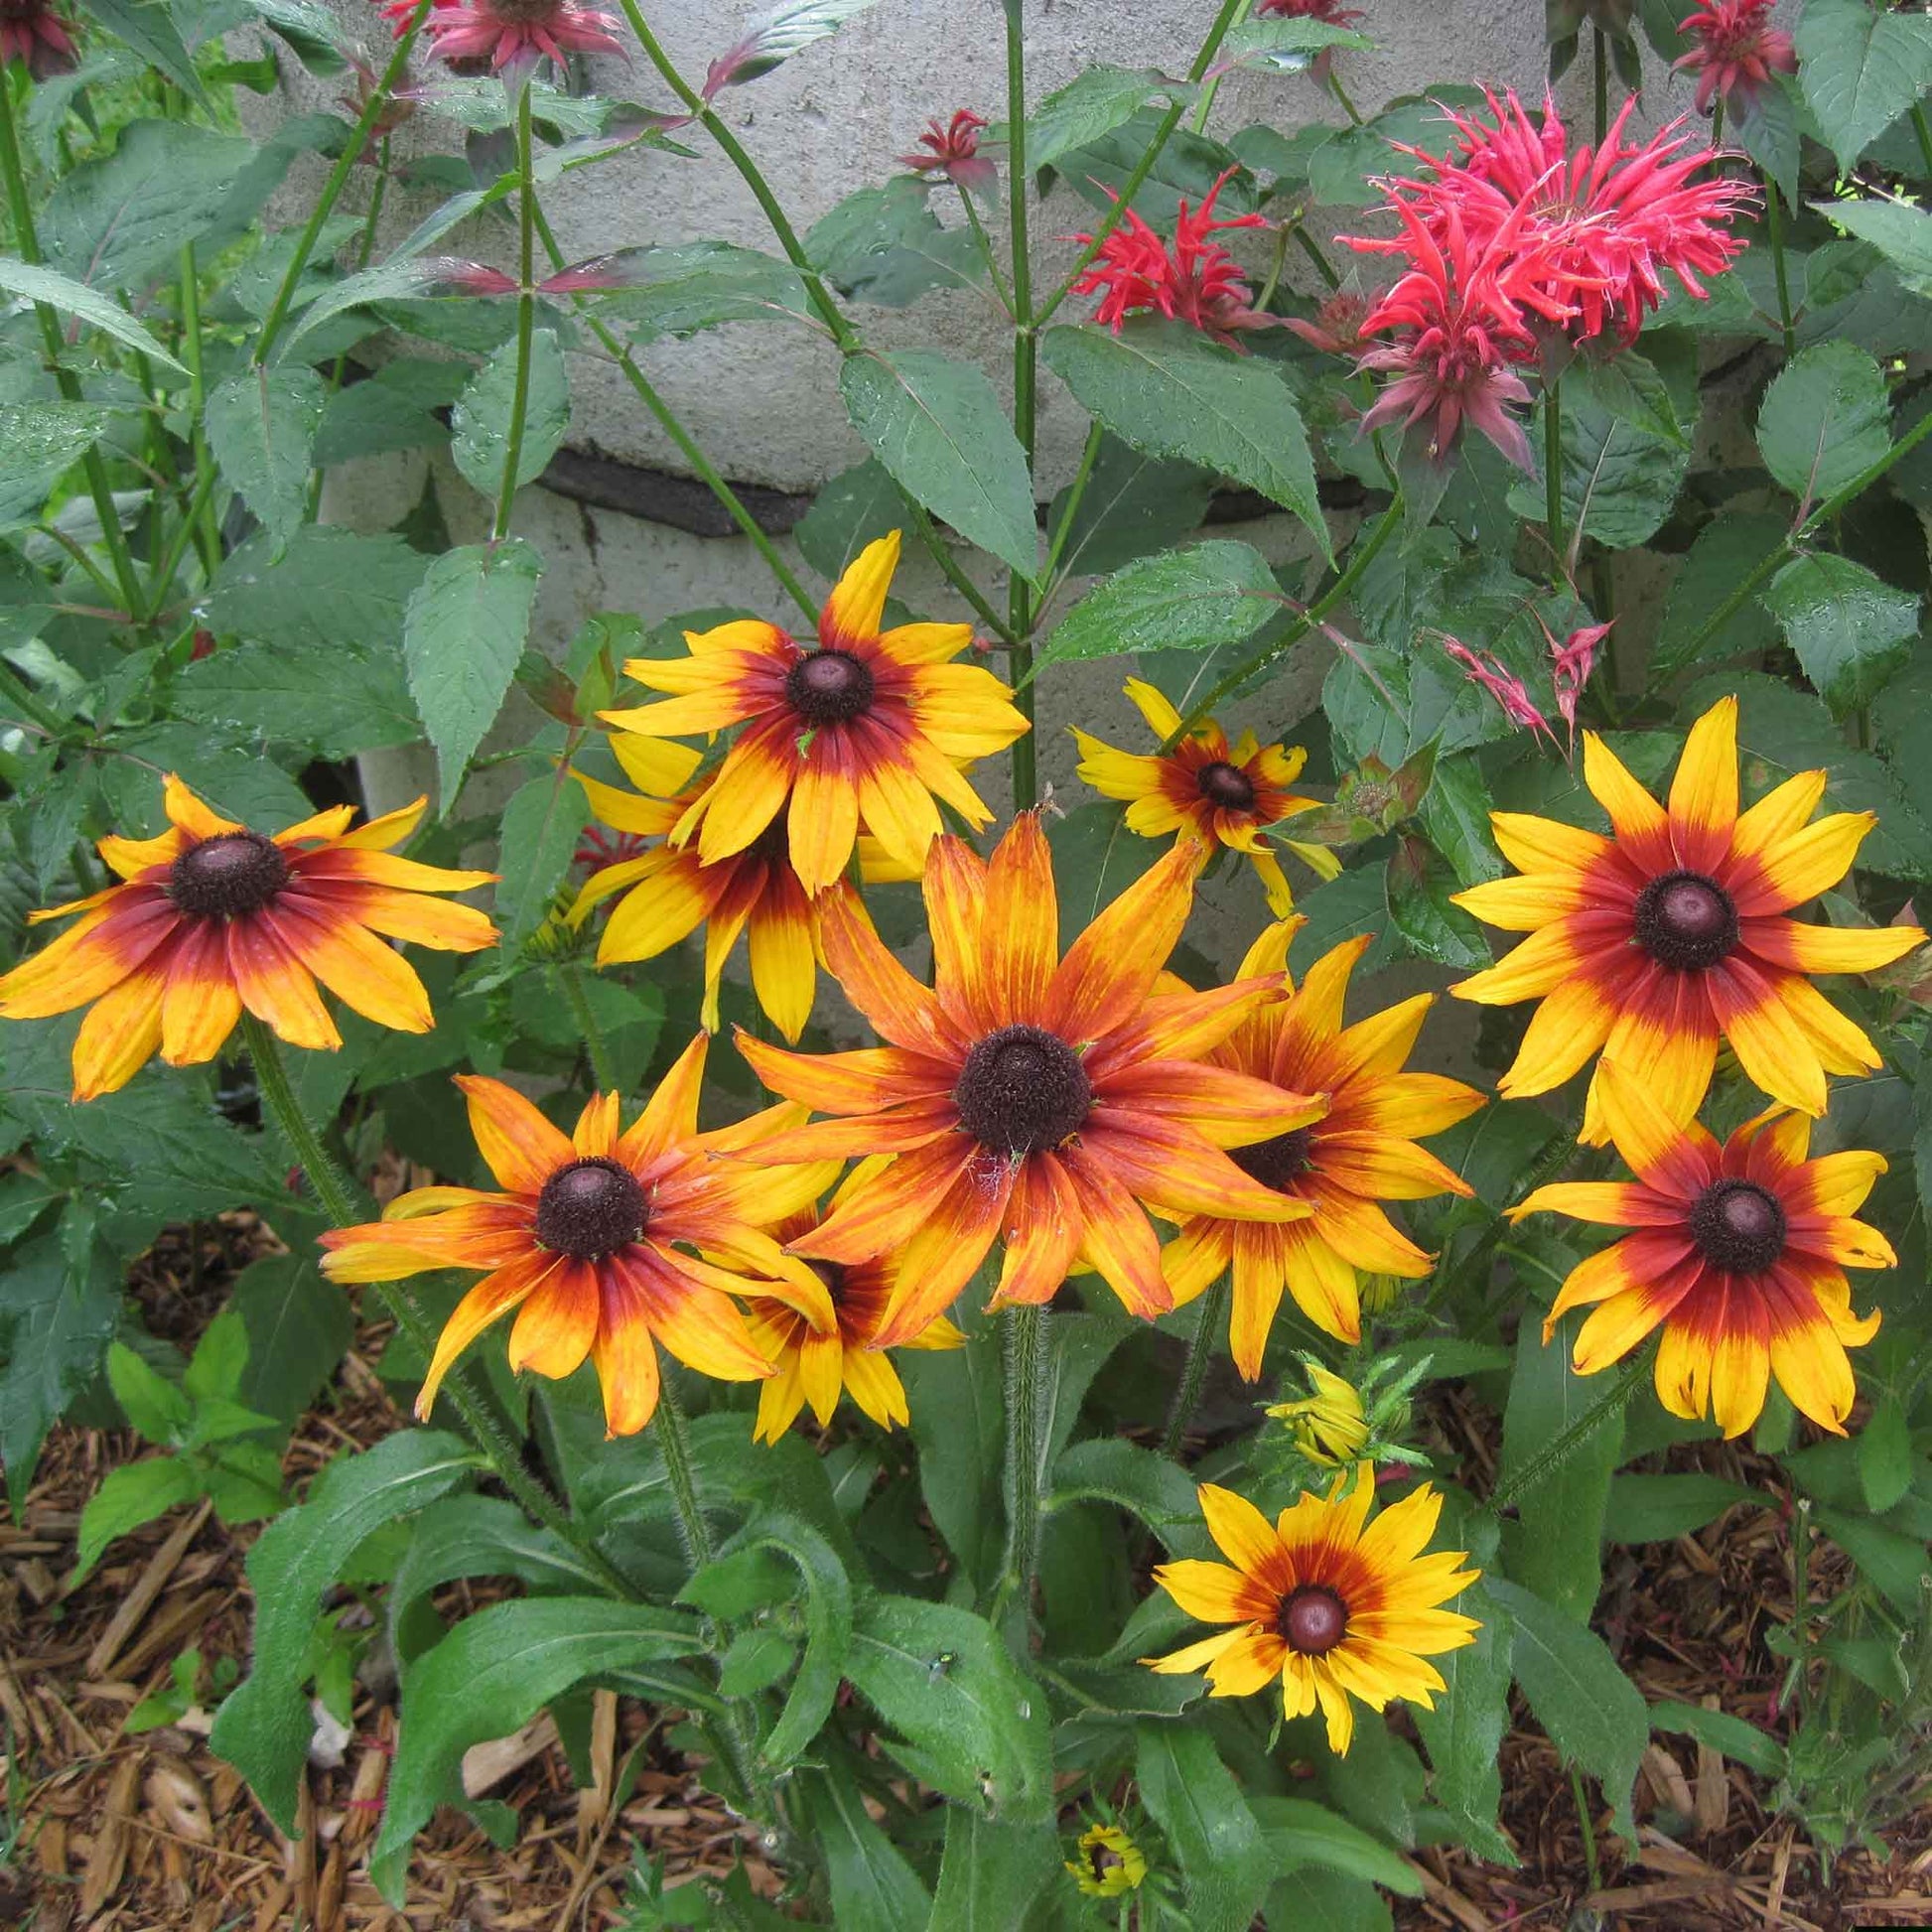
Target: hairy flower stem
(526,308)
(603,1070)
(1025,1342)
(1553,471)
(1558,1450)
(1200,1351)
(477,1412)
(1774,230)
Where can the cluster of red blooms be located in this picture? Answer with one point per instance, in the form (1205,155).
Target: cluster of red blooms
(1514,237)
(1331,12)
(1735,50)
(511,36)
(34,34)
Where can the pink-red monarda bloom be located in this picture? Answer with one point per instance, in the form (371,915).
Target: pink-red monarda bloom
(952,149)
(1735,50)
(1330,12)
(515,34)
(31,31)
(1193,279)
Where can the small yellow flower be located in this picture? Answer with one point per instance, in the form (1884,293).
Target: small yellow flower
(1110,1863)
(1328,1426)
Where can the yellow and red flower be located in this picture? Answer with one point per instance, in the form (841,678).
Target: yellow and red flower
(1738,1251)
(1208,790)
(211,918)
(1674,932)
(1359,1151)
(1041,1101)
(1331,1604)
(864,728)
(588,1236)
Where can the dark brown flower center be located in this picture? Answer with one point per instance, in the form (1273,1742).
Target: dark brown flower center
(1313,1620)
(228,875)
(1021,1090)
(1739,1226)
(590,1208)
(1277,1162)
(829,687)
(1685,922)
(832,1274)
(1226,785)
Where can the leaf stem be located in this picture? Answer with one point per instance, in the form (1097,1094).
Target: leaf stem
(1025,379)
(1552,470)
(1774,231)
(1310,248)
(1599,52)
(1583,1820)
(526,305)
(603,1070)
(1200,1351)
(200,520)
(1561,1447)
(1063,529)
(1204,107)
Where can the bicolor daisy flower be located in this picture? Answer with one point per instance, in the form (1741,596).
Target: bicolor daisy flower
(1333,1604)
(32,33)
(1045,1102)
(813,1364)
(211,918)
(1735,50)
(1739,1252)
(863,728)
(1358,1151)
(1674,932)
(1110,1863)
(588,1238)
(1210,792)
(513,35)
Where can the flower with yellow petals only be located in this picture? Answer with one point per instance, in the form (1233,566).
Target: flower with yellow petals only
(859,727)
(211,920)
(1333,1604)
(1041,1102)
(1674,931)
(1738,1251)
(1330,1427)
(1202,787)
(1359,1151)
(1110,1863)
(588,1235)
(812,1364)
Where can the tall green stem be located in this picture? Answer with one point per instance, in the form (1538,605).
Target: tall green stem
(603,1068)
(207,535)
(1025,1387)
(526,308)
(1774,229)
(674,1444)
(1204,107)
(1026,376)
(1599,52)
(1063,529)
(1200,1351)
(1553,471)
(1558,1450)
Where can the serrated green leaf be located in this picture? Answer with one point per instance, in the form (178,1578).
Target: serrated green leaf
(155,1406)
(150,31)
(334,704)
(1419,884)
(57,1319)
(1850,630)
(1825,420)
(330,590)
(261,429)
(1464,1730)
(856,507)
(1859,69)
(1899,232)
(698,285)
(1134,505)
(1887,1464)
(1091,105)
(1182,600)
(33,283)
(298,1327)
(1727,549)
(541,826)
(480,424)
(1619,481)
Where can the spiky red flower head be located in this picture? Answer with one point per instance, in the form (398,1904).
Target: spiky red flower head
(515,34)
(1333,12)
(1337,324)
(1192,279)
(1735,50)
(33,32)
(953,149)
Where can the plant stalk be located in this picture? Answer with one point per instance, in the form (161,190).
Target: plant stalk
(207,535)
(1025,1356)
(526,309)
(1774,229)
(1558,1450)
(1599,52)
(604,1068)
(1553,470)
(1200,1351)
(1026,378)
(1063,529)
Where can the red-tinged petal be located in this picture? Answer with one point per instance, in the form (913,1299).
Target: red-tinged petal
(113,940)
(1642,827)
(492,1297)
(784,954)
(1535,966)
(671,1114)
(883,1216)
(1563,1033)
(594,1137)
(944,1254)
(1041,1230)
(1171,1167)
(1115,1239)
(557,1323)
(276,987)
(867,1080)
(1837,1183)
(120,1034)
(1607,1203)
(1770,1046)
(1020,930)
(896,1131)
(899,1009)
(1215,1592)
(1525,902)
(1110,971)
(1703,794)
(1669,1157)
(1227,1109)
(1827,948)
(1779,813)
(746,797)
(199,1009)
(1245,1537)
(518,1145)
(1260,1274)
(1382,1168)
(364,974)
(1666,1037)
(824,818)
(410,916)
(674,896)
(1324,1283)
(954,890)
(700,1326)
(1359,1232)
(1800,866)
(1198,1257)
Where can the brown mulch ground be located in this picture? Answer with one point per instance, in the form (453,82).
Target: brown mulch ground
(151,1833)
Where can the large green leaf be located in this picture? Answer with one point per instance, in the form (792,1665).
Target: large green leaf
(1900,232)
(56,1319)
(1660,1508)
(480,424)
(958,1423)
(1860,69)
(938,427)
(128,1496)
(874,1888)
(698,285)
(1217,1843)
(1619,480)
(38,441)
(1850,630)
(856,507)
(991,1875)
(1727,548)
(151,32)
(1091,105)
(1825,420)
(33,283)
(1166,389)
(298,1327)
(1722,1732)
(335,702)
(541,826)
(329,589)
(1300,1832)
(1134,505)
(261,428)
(1109,1469)
(1182,600)
(1464,1730)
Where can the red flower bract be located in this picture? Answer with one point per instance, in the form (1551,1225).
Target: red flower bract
(953,149)
(31,31)
(515,34)
(1330,11)
(1735,50)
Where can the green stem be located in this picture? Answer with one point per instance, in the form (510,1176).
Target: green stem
(1200,1351)
(1583,1820)
(603,1068)
(1923,129)
(987,255)
(1774,229)
(366,249)
(1801,1598)
(1063,529)
(338,179)
(1025,1359)
(1553,471)
(1026,377)
(332,1186)
(950,568)
(526,309)
(674,1444)
(1341,93)
(1561,1447)
(206,533)
(1205,105)
(1323,266)
(185,532)
(1718,122)
(14,691)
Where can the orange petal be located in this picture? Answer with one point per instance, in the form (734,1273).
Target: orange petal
(1021,928)
(120,1033)
(670,1115)
(557,1323)
(1110,970)
(518,1145)
(200,1005)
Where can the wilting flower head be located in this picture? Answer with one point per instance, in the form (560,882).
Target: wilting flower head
(1570,663)
(953,149)
(1193,279)
(588,1237)
(1323,1599)
(1337,324)
(1502,684)
(1738,1251)
(862,727)
(32,32)
(212,918)
(1211,793)
(1735,50)
(1030,1099)
(1110,1863)
(1359,1150)
(1653,943)
(515,34)
(1328,1425)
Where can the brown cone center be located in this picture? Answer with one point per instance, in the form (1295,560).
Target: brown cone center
(1313,1620)
(1022,1089)
(1277,1162)
(228,875)
(1685,922)
(1226,785)
(590,1208)
(1739,1226)
(829,687)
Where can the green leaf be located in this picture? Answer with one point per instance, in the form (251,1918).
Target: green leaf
(1886,1464)
(1901,233)
(1464,1732)
(1619,481)
(958,1423)
(56,1319)
(38,442)
(874,1888)
(391,410)
(151,32)
(1182,600)
(1134,505)
(754,1661)
(1296,1831)
(1164,388)
(1091,105)
(480,424)
(1109,1469)
(1344,171)
(938,428)
(857,507)
(1859,69)
(261,428)
(155,1406)
(991,1875)
(336,703)
(541,826)
(676,292)
(1418,883)
(1826,419)
(1592,1713)
(264,1727)
(1661,1508)
(1767,128)
(33,283)
(330,590)
(1727,549)
(466,628)
(494,1672)
(1851,631)
(215,1369)
(1632,388)
(1215,1838)
(297,1329)
(1735,1738)
(1894,1564)
(133,1495)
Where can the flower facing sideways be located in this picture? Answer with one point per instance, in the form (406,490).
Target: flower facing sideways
(1044,1102)
(587,1239)
(212,918)
(1110,1863)
(953,151)
(1210,792)
(1738,1251)
(863,728)
(1333,1604)
(1735,50)
(515,34)
(1674,931)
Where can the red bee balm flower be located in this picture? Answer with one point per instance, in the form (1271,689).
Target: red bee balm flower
(515,34)
(33,32)
(1735,50)
(1193,280)
(1330,12)
(954,152)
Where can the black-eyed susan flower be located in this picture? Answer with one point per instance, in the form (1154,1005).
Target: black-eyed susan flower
(1654,943)
(813,1364)
(1330,1426)
(588,1239)
(1739,1252)
(211,918)
(1039,1101)
(1359,1151)
(856,728)
(1333,1604)
(1209,790)
(1110,1863)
